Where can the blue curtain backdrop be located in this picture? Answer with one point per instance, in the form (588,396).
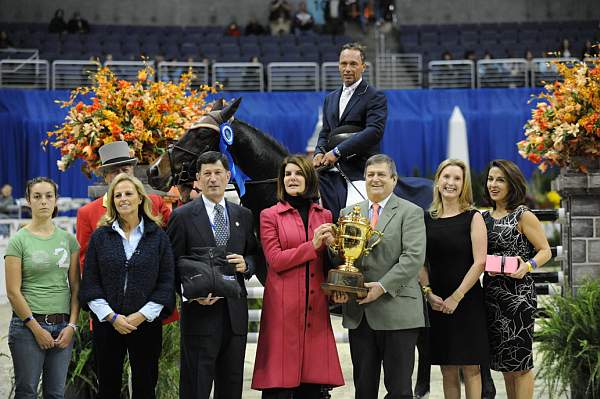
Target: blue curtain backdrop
(415,136)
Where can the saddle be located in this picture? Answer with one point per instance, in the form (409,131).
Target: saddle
(341,134)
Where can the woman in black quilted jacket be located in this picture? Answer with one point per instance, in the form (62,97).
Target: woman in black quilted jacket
(128,285)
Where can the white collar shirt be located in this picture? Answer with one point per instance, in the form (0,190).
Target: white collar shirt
(346,95)
(210,210)
(382,205)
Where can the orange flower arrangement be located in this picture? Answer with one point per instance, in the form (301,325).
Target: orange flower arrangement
(566,123)
(148,115)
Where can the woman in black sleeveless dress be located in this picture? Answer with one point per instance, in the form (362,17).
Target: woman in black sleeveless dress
(456,248)
(513,230)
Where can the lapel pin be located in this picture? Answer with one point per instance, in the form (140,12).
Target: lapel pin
(237,224)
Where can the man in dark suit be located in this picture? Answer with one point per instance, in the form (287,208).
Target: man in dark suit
(353,123)
(213,329)
(383,326)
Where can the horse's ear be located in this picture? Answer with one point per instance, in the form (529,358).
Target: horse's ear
(228,112)
(218,105)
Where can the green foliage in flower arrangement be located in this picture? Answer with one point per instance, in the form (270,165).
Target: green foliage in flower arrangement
(568,341)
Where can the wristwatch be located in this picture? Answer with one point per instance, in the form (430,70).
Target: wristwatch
(336,152)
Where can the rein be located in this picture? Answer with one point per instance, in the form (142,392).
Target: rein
(184,174)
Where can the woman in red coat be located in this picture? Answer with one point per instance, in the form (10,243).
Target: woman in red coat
(296,354)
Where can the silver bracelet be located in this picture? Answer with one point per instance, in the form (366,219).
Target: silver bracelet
(73,326)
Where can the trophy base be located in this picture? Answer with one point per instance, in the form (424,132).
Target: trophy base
(348,282)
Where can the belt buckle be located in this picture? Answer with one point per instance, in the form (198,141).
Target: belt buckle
(46,320)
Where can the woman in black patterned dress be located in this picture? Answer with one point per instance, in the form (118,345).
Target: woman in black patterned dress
(456,247)
(513,230)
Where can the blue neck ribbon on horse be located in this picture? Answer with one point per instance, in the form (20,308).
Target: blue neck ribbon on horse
(225,141)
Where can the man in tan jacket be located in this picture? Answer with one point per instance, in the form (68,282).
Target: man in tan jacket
(383,327)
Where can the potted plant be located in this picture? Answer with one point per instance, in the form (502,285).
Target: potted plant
(148,114)
(568,341)
(564,129)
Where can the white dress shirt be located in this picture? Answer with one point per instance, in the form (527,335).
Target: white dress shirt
(346,95)
(210,210)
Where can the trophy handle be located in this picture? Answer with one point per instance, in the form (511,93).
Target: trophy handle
(335,247)
(370,247)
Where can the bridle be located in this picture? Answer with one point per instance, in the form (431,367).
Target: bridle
(184,175)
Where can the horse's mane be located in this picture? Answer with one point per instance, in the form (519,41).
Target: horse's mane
(271,142)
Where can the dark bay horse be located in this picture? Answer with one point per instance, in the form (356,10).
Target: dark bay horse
(256,153)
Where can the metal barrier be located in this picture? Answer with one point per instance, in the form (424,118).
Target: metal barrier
(20,54)
(26,74)
(331,79)
(399,71)
(302,76)
(550,283)
(171,71)
(550,215)
(240,76)
(128,70)
(543,70)
(508,72)
(451,74)
(391,71)
(69,74)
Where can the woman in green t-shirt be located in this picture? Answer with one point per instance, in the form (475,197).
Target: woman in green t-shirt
(42,282)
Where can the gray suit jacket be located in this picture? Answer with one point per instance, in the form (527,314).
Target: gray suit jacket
(395,263)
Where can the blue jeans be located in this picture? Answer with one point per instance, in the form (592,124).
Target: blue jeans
(30,362)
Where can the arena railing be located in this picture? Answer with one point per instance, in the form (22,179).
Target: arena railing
(25,73)
(391,71)
(552,282)
(69,74)
(172,71)
(28,54)
(543,70)
(508,72)
(330,75)
(399,71)
(291,76)
(239,76)
(451,74)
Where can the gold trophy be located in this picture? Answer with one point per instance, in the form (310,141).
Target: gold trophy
(353,240)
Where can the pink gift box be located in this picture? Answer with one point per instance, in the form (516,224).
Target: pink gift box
(501,264)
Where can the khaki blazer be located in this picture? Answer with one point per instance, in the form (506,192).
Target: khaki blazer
(395,263)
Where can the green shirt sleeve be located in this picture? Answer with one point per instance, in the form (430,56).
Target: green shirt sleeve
(73,244)
(15,247)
